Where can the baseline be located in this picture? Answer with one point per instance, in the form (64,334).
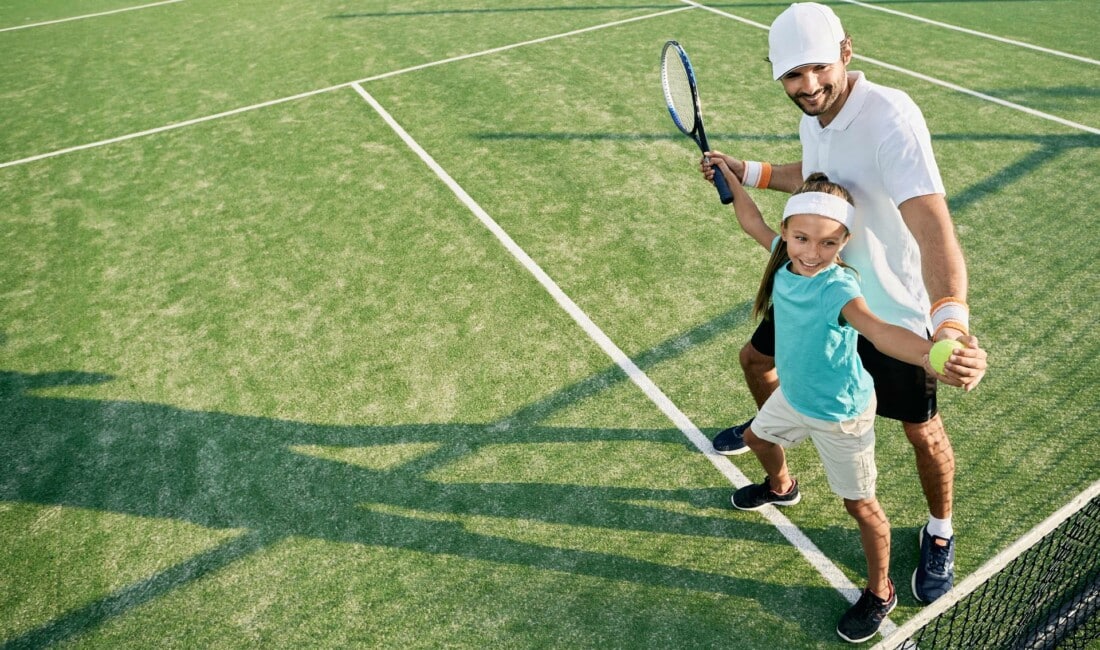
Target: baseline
(95,15)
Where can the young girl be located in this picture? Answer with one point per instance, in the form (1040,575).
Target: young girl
(824,392)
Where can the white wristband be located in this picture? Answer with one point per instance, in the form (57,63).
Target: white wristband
(951,313)
(753,170)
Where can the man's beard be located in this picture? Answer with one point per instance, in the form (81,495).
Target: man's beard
(831,94)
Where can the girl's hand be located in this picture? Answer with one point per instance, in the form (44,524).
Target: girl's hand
(708,165)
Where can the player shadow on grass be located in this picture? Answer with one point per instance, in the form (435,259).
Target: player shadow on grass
(155,461)
(277,479)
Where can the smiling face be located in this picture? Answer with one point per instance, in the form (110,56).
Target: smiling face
(820,89)
(813,242)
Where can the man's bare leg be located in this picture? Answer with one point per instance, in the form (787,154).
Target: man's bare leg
(935,463)
(762,380)
(760,374)
(935,573)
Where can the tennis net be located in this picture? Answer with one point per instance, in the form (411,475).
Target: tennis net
(1042,592)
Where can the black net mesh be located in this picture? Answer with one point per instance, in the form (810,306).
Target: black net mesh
(1047,597)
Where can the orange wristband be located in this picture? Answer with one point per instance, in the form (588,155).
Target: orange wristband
(765,176)
(757,174)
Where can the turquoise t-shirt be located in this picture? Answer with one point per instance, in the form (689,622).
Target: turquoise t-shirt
(815,355)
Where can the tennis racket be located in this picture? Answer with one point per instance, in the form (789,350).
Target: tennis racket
(682,97)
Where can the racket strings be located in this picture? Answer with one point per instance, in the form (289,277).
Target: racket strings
(678,93)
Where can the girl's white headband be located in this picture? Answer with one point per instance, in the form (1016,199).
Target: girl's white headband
(826,205)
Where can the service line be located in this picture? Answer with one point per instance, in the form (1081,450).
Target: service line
(310,93)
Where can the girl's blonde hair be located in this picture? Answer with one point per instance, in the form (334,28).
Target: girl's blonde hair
(816,182)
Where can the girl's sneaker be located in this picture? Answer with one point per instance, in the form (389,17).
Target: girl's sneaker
(754,497)
(863,619)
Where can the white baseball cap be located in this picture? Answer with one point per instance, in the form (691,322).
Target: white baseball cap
(805,33)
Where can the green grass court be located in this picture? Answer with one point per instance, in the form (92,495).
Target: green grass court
(268,381)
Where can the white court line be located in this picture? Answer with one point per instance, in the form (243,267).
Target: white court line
(690,3)
(169,127)
(988,98)
(972,32)
(273,102)
(924,77)
(504,48)
(794,535)
(102,13)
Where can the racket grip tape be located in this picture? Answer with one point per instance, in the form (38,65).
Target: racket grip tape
(722,186)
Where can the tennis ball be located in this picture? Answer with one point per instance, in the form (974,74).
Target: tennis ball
(941,352)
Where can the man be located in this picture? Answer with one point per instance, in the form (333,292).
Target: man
(874,141)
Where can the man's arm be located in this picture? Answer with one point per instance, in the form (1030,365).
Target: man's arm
(944,270)
(784,178)
(942,264)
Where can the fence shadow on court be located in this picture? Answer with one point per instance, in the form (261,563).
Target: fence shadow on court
(1047,149)
(147,460)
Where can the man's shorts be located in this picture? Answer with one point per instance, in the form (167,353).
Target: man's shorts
(905,392)
(847,449)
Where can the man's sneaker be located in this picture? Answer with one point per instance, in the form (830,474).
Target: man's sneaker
(753,497)
(936,572)
(863,619)
(731,441)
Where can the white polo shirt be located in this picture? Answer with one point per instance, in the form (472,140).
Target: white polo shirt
(879,147)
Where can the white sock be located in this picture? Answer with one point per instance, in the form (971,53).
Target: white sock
(940,527)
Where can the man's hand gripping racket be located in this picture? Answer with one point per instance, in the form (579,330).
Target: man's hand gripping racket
(682,97)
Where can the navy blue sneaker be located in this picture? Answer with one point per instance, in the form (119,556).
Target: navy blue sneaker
(863,619)
(731,441)
(935,574)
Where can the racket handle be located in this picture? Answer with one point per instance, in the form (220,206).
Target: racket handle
(723,187)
